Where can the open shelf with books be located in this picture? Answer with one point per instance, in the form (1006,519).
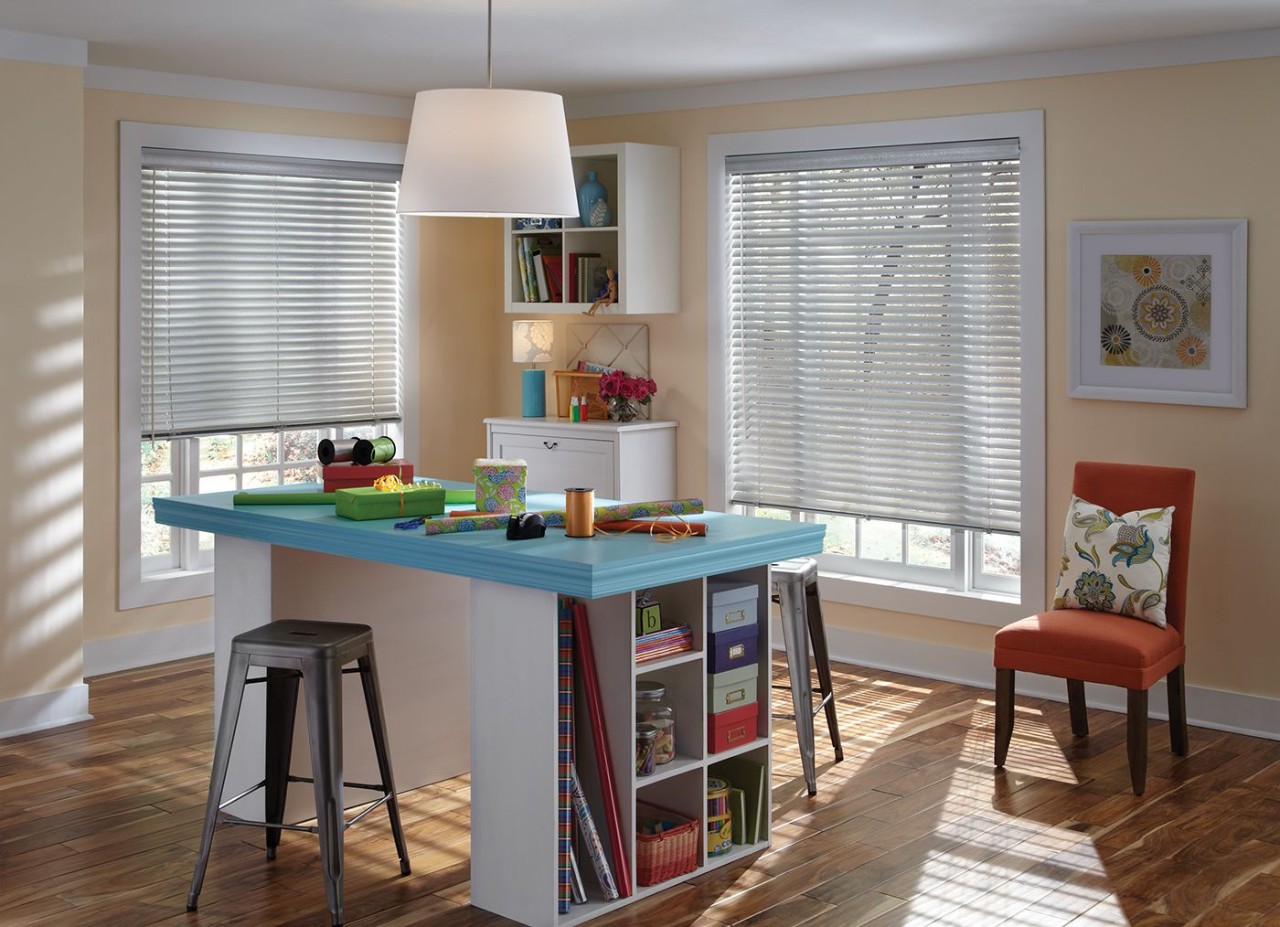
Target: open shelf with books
(676,790)
(552,270)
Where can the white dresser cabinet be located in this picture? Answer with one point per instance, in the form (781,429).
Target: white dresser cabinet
(635,462)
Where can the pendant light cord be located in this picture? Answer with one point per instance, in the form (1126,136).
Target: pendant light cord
(490,59)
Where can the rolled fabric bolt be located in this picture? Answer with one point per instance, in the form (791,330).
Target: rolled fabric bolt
(556,518)
(579,508)
(284,498)
(339,451)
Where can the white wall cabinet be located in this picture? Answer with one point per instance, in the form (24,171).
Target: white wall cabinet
(632,462)
(642,244)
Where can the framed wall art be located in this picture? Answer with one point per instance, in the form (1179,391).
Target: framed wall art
(1157,311)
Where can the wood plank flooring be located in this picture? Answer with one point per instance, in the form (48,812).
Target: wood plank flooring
(101,821)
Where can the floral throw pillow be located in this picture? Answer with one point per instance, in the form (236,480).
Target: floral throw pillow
(1115,563)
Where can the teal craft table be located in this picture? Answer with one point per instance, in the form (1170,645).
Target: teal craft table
(466,632)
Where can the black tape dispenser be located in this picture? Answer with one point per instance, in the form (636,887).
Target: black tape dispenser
(526,525)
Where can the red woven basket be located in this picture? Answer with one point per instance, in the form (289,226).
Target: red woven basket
(671,853)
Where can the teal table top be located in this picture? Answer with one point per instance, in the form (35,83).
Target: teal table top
(584,567)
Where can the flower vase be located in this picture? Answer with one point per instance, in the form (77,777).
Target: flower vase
(621,410)
(593,203)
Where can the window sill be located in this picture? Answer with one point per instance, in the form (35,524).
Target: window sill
(165,586)
(989,608)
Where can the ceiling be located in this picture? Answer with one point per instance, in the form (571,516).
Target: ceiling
(596,47)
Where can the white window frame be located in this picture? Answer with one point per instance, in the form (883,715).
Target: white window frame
(137,589)
(905,595)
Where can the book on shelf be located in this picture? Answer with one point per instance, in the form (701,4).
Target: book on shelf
(594,280)
(663,643)
(591,840)
(576,293)
(521,269)
(738,808)
(554,270)
(753,779)
(528,276)
(540,273)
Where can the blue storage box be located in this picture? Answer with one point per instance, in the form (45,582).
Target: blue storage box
(731,649)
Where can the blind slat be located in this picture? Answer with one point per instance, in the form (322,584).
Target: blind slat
(874,333)
(270,293)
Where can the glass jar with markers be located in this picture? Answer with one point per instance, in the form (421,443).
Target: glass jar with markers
(655,709)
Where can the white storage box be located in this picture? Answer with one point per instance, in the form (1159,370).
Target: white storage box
(731,605)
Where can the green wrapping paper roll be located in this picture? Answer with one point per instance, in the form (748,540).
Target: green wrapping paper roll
(284,498)
(555,519)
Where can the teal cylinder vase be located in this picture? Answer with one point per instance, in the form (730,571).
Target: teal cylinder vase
(593,203)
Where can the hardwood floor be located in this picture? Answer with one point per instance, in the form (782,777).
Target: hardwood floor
(915,827)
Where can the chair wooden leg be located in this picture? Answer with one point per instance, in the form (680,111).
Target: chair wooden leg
(1138,740)
(1079,712)
(1004,714)
(1178,740)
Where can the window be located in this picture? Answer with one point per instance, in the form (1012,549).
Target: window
(267,301)
(880,299)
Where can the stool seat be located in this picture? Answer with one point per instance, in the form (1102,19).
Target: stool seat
(293,639)
(295,651)
(795,589)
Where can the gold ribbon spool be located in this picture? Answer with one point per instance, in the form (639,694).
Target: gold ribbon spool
(579,512)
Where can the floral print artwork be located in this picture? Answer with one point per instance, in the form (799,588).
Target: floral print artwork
(1115,563)
(1156,310)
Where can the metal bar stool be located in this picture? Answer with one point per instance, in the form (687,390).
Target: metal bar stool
(314,652)
(795,589)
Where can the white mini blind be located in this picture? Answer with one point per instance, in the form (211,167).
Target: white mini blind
(874,337)
(271,293)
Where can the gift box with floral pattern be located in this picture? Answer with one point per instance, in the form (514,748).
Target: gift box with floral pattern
(500,485)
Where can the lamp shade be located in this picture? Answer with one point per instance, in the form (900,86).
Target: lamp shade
(531,341)
(484,152)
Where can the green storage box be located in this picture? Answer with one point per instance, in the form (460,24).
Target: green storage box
(732,688)
(365,502)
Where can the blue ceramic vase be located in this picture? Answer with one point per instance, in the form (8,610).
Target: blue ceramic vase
(593,203)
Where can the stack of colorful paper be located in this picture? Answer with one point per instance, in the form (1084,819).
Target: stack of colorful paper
(664,643)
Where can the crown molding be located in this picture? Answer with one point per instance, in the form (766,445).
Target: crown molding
(1158,53)
(46,49)
(195,87)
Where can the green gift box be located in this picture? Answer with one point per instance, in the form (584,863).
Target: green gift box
(367,502)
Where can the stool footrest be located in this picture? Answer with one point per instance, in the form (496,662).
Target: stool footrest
(308,828)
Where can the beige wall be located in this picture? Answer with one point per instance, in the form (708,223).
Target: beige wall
(41,377)
(1141,144)
(1163,143)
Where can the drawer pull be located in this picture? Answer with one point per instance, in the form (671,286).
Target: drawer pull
(551,445)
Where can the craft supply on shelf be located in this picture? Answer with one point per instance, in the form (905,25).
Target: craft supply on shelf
(653,707)
(666,844)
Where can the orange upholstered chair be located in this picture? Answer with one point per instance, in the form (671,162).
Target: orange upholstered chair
(1085,646)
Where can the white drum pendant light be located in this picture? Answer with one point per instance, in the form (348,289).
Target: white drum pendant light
(486,152)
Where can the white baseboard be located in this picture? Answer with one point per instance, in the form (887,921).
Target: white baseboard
(113,654)
(28,713)
(1256,715)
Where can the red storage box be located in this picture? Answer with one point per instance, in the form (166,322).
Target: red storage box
(351,476)
(731,649)
(731,728)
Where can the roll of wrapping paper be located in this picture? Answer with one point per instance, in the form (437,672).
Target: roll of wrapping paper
(284,498)
(555,519)
(579,512)
(339,451)
(379,450)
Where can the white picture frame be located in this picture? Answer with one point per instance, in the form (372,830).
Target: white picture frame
(1156,311)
